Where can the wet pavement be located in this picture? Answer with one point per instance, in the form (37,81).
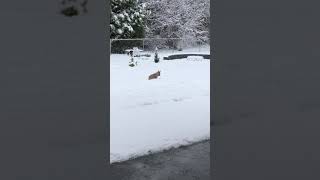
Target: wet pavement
(185,163)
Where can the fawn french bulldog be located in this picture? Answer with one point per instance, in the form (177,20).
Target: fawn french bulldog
(154,75)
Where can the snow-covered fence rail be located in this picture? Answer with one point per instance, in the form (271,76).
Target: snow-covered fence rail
(149,44)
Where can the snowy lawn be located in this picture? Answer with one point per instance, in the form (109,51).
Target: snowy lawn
(148,116)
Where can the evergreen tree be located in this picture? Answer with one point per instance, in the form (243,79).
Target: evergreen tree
(127,19)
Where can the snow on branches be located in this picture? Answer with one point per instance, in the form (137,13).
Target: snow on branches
(127,18)
(178,19)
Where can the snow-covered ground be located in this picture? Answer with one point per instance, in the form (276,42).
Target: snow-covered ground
(148,116)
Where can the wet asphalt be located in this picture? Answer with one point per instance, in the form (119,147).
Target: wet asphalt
(185,163)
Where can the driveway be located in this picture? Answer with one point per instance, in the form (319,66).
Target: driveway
(185,163)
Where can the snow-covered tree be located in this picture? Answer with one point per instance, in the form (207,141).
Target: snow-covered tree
(178,19)
(159,18)
(127,18)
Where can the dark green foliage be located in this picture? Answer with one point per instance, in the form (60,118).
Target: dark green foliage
(127,22)
(127,19)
